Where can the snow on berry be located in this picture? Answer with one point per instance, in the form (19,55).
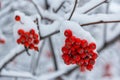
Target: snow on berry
(78,47)
(25,31)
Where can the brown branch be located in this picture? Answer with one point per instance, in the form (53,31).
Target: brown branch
(37,8)
(53,53)
(59,7)
(100,22)
(73,10)
(95,7)
(12,59)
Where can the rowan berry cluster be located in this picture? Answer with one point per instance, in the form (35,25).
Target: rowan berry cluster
(28,39)
(78,51)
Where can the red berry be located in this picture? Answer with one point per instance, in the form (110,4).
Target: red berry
(36,49)
(32,31)
(26,44)
(68,33)
(17,18)
(36,41)
(65,57)
(77,58)
(35,36)
(18,41)
(91,61)
(72,39)
(23,39)
(21,32)
(78,42)
(89,67)
(84,43)
(2,41)
(94,56)
(31,46)
(64,50)
(80,50)
(92,46)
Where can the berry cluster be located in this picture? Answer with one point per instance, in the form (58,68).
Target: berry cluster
(78,51)
(28,39)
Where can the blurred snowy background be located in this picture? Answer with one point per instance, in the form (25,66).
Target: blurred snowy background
(47,64)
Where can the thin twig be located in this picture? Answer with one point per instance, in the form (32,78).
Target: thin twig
(100,22)
(59,7)
(52,50)
(38,27)
(37,8)
(73,9)
(95,7)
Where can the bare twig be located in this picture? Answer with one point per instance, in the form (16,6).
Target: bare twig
(59,7)
(100,22)
(94,7)
(73,9)
(53,53)
(11,59)
(37,8)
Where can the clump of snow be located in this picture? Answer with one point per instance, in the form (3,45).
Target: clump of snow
(77,30)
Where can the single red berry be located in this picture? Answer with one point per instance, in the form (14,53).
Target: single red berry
(68,46)
(31,46)
(36,41)
(26,44)
(77,41)
(65,57)
(36,49)
(84,43)
(21,32)
(2,41)
(80,50)
(22,39)
(68,33)
(72,49)
(35,36)
(83,55)
(32,31)
(18,41)
(94,56)
(72,39)
(64,50)
(89,67)
(91,61)
(77,58)
(17,18)
(92,46)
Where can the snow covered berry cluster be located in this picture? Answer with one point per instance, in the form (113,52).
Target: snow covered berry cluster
(28,39)
(78,51)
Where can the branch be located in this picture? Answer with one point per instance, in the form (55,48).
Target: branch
(90,6)
(53,53)
(11,56)
(16,74)
(73,9)
(39,10)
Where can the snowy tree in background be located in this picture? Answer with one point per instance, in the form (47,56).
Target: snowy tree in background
(65,40)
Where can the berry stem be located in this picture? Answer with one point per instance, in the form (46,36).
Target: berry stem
(26,49)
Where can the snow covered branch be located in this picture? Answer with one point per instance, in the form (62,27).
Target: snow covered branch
(90,6)
(11,56)
(85,20)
